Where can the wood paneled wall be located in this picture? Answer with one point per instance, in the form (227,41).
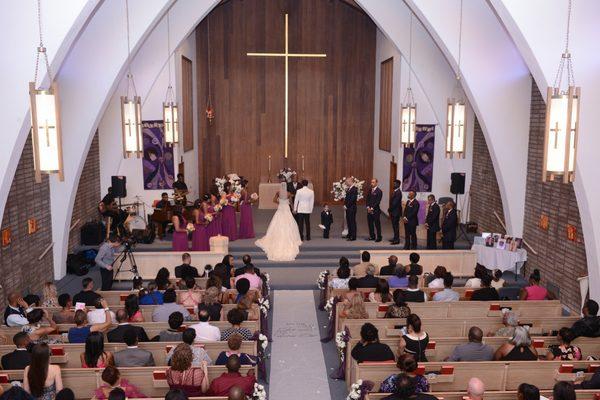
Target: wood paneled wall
(385,104)
(187,99)
(331,100)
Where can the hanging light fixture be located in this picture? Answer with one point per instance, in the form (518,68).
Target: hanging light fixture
(170,114)
(131,108)
(45,118)
(456,117)
(562,119)
(408,114)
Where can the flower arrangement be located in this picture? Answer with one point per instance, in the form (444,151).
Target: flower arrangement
(341,342)
(267,280)
(340,188)
(254,196)
(217,207)
(287,173)
(234,179)
(355,390)
(322,279)
(263,341)
(190,227)
(264,305)
(329,305)
(259,392)
(208,217)
(223,202)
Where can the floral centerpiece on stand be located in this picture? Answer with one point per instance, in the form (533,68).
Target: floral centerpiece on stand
(235,181)
(340,188)
(287,173)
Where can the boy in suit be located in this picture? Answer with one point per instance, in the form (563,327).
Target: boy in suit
(326,221)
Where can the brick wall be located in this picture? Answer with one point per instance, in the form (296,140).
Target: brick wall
(485,195)
(88,194)
(560,261)
(20,269)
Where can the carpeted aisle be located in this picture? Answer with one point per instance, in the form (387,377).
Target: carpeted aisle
(297,366)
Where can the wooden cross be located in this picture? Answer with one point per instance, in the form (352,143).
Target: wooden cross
(286,54)
(556,129)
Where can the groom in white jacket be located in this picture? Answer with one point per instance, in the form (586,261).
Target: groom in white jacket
(303,206)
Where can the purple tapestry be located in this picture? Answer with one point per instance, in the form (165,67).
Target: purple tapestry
(158,160)
(417,168)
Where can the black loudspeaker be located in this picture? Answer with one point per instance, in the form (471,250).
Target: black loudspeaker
(458,183)
(92,233)
(119,186)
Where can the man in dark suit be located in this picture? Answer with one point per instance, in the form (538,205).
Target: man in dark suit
(369,280)
(374,211)
(432,222)
(350,207)
(449,225)
(185,270)
(390,269)
(293,186)
(411,221)
(117,335)
(395,211)
(20,357)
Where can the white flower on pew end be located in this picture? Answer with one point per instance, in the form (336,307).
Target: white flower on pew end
(264,305)
(321,280)
(263,341)
(355,391)
(259,392)
(329,305)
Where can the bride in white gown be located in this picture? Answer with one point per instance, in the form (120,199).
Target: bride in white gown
(282,241)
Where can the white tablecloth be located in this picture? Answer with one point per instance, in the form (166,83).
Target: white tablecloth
(504,260)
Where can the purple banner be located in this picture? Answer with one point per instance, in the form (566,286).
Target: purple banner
(417,166)
(158,160)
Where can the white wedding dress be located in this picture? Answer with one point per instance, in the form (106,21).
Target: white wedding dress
(282,241)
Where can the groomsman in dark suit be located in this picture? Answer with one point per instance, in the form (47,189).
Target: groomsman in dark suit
(411,221)
(449,224)
(432,222)
(374,211)
(350,207)
(395,211)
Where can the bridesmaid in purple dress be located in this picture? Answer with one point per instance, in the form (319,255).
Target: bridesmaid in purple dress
(180,234)
(200,236)
(246,222)
(214,208)
(228,222)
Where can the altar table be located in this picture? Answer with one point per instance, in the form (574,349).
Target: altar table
(266,193)
(504,260)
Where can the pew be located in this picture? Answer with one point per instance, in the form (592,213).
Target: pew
(459,262)
(151,381)
(117,297)
(149,262)
(499,395)
(67,355)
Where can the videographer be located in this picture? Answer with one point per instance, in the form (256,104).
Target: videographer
(106,258)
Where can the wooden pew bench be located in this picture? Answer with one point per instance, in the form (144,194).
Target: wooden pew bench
(459,262)
(149,262)
(117,297)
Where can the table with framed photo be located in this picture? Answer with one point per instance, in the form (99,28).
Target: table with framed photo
(500,257)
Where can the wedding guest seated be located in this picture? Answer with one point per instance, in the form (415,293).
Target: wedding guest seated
(137,284)
(193,381)
(65,394)
(65,315)
(414,268)
(412,293)
(199,355)
(185,270)
(250,274)
(534,291)
(518,348)
(354,309)
(415,340)
(243,288)
(211,303)
(369,280)
(117,394)
(475,350)
(399,279)
(87,295)
(151,296)
(192,296)
(389,269)
(132,306)
(360,270)
(41,379)
(407,365)
(235,317)
(20,357)
(381,293)
(475,281)
(438,278)
(246,259)
(447,294)
(406,389)
(32,300)
(163,279)
(399,309)
(206,332)
(589,325)
(16,311)
(82,329)
(234,343)
(94,355)
(497,281)
(352,289)
(220,386)
(369,348)
(486,293)
(162,312)
(476,389)
(38,333)
(50,295)
(564,351)
(510,321)
(235,393)
(98,315)
(563,390)
(133,356)
(249,308)
(223,272)
(112,378)
(172,334)
(526,391)
(117,335)
(176,394)
(592,383)
(340,281)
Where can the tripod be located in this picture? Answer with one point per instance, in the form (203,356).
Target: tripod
(126,254)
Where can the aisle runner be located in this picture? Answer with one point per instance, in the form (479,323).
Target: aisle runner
(297,367)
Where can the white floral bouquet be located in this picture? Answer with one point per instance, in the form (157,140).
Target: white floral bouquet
(321,281)
(340,188)
(263,341)
(355,390)
(223,202)
(254,196)
(208,217)
(235,198)
(341,342)
(259,392)
(329,306)
(286,173)
(190,227)
(264,305)
(217,207)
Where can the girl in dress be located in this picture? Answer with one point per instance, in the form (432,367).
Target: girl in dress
(200,236)
(228,222)
(246,222)
(214,208)
(42,379)
(180,234)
